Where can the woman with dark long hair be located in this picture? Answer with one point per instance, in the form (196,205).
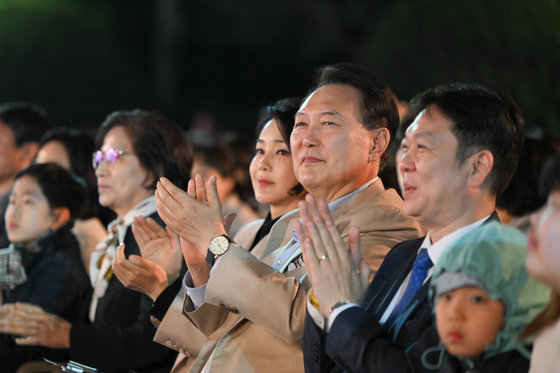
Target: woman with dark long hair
(274,184)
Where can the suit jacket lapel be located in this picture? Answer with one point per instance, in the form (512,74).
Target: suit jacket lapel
(280,234)
(493,217)
(421,295)
(390,276)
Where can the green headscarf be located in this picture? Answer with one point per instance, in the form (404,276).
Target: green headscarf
(494,255)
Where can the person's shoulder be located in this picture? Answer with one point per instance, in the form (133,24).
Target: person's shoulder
(63,244)
(376,195)
(63,263)
(378,191)
(508,362)
(391,197)
(405,248)
(409,244)
(251,227)
(398,258)
(246,234)
(382,211)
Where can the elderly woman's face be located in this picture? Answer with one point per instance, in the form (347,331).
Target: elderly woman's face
(121,180)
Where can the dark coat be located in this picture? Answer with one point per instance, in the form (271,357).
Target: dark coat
(120,339)
(358,343)
(507,362)
(57,282)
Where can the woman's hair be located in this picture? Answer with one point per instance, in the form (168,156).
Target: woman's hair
(79,146)
(544,319)
(158,142)
(519,197)
(284,113)
(550,176)
(243,150)
(60,188)
(219,155)
(549,182)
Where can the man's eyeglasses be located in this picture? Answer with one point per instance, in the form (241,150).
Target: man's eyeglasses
(109,155)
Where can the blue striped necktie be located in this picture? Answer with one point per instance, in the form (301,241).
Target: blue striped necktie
(420,269)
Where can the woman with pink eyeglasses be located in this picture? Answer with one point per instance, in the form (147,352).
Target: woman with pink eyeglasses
(136,148)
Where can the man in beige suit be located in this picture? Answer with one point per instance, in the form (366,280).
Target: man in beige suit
(252,305)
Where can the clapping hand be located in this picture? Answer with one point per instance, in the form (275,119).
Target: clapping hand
(195,215)
(160,263)
(335,269)
(158,244)
(34,326)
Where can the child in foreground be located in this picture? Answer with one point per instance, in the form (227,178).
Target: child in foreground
(42,265)
(483,298)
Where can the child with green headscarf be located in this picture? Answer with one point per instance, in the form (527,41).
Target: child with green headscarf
(483,298)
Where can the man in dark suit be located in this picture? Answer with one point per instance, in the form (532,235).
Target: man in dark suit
(456,157)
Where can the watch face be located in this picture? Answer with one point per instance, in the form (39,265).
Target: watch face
(219,245)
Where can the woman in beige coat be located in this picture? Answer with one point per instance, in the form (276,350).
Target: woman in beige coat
(274,184)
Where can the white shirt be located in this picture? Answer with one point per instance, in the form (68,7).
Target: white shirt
(107,248)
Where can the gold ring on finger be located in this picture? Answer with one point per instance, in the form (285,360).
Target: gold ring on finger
(323,257)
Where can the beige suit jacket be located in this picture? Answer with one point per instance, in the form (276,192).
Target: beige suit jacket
(254,315)
(178,333)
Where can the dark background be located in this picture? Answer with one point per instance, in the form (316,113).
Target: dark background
(82,59)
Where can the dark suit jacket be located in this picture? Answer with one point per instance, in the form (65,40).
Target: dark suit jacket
(121,336)
(358,343)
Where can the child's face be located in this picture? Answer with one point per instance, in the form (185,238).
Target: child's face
(28,214)
(467,320)
(543,250)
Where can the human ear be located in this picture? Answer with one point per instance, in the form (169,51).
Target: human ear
(28,152)
(482,164)
(381,139)
(61,216)
(150,180)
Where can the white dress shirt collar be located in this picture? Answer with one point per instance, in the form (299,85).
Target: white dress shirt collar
(435,250)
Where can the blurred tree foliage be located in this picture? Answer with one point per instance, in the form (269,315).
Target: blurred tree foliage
(82,59)
(512,45)
(64,56)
